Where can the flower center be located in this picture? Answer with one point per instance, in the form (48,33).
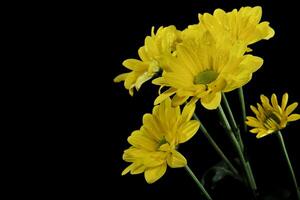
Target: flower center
(273,116)
(162,141)
(206,77)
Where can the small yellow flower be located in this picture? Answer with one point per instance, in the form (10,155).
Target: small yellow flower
(271,117)
(243,25)
(154,145)
(204,68)
(156,47)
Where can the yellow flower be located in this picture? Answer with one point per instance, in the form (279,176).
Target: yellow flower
(154,145)
(243,25)
(156,47)
(203,68)
(271,117)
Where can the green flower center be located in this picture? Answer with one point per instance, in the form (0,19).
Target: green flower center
(206,77)
(273,116)
(162,141)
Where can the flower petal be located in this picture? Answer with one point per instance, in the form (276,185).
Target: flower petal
(188,130)
(127,169)
(265,101)
(255,130)
(177,101)
(274,101)
(293,117)
(140,140)
(155,173)
(135,65)
(164,96)
(291,108)
(188,112)
(151,126)
(121,77)
(284,101)
(137,168)
(154,159)
(252,121)
(211,102)
(253,108)
(176,160)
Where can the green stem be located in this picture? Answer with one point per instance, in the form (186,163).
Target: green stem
(243,107)
(236,130)
(191,173)
(248,172)
(216,147)
(279,135)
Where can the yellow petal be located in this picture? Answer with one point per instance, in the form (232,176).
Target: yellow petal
(159,81)
(155,173)
(266,30)
(264,133)
(137,169)
(243,74)
(255,130)
(255,14)
(121,77)
(258,136)
(164,96)
(284,101)
(142,79)
(182,93)
(130,155)
(180,79)
(130,79)
(163,109)
(265,101)
(135,65)
(212,102)
(176,160)
(188,130)
(253,108)
(293,117)
(291,108)
(165,147)
(154,159)
(188,112)
(177,101)
(253,122)
(274,101)
(127,169)
(151,127)
(260,109)
(142,54)
(139,140)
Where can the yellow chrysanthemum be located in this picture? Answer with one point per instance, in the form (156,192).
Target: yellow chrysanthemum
(271,117)
(243,25)
(156,47)
(203,68)
(154,145)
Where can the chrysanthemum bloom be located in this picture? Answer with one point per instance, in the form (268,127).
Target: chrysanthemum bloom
(154,145)
(203,68)
(271,117)
(243,25)
(156,47)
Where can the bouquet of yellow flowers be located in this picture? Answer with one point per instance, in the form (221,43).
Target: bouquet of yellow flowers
(197,67)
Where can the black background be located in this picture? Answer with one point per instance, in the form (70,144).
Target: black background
(114,31)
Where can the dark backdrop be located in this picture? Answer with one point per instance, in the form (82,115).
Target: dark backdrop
(123,29)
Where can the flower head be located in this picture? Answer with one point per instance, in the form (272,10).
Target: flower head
(154,145)
(204,67)
(243,25)
(271,117)
(156,47)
